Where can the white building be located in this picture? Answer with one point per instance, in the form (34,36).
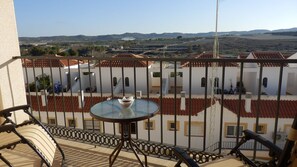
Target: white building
(270,74)
(71,113)
(199,80)
(56,69)
(292,77)
(115,74)
(118,76)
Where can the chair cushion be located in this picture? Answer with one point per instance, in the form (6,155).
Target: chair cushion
(40,140)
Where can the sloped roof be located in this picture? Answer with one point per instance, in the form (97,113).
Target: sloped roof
(66,103)
(269,55)
(268,108)
(203,64)
(50,62)
(170,104)
(70,104)
(118,63)
(242,56)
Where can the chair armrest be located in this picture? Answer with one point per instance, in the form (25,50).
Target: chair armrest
(272,147)
(7,128)
(184,157)
(7,112)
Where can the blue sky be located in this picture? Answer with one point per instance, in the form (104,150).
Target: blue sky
(100,17)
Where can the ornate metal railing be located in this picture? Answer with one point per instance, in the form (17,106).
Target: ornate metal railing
(159,148)
(105,140)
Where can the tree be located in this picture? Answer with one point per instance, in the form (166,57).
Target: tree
(179,37)
(42,81)
(72,52)
(53,50)
(37,51)
(83,52)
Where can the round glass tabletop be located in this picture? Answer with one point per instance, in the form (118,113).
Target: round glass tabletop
(112,111)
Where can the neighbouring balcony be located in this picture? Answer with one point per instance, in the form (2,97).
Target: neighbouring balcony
(257,94)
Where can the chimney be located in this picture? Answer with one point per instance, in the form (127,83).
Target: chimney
(248,102)
(138,94)
(183,100)
(43,97)
(81,98)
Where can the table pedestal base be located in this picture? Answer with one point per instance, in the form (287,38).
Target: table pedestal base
(126,137)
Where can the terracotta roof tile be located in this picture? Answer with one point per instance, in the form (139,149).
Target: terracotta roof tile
(269,55)
(117,63)
(71,104)
(242,56)
(169,105)
(203,64)
(268,108)
(288,108)
(67,104)
(49,62)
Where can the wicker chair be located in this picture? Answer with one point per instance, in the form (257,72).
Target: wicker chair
(279,157)
(31,132)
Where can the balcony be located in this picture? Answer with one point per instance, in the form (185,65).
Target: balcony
(254,93)
(79,154)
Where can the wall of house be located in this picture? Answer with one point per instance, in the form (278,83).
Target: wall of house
(199,72)
(272,73)
(12,80)
(250,81)
(292,80)
(88,80)
(141,81)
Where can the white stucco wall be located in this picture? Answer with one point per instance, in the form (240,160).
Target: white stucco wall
(141,80)
(292,80)
(199,72)
(12,81)
(273,73)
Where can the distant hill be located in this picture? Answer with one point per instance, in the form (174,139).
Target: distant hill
(140,36)
(289,33)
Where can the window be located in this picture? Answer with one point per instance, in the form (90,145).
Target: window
(133,128)
(216,82)
(52,121)
(203,82)
(114,81)
(71,123)
(149,125)
(231,129)
(178,74)
(172,126)
(262,128)
(89,123)
(127,84)
(197,129)
(265,81)
(88,73)
(156,74)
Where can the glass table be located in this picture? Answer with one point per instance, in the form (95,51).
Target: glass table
(112,111)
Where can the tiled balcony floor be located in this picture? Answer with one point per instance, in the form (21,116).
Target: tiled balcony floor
(79,155)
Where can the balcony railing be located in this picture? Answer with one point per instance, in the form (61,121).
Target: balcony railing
(190,116)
